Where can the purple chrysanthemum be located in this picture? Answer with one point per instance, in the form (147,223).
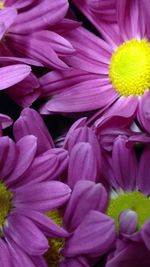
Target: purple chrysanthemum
(129,203)
(112,72)
(23,224)
(92,233)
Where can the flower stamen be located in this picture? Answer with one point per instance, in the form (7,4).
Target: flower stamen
(129,69)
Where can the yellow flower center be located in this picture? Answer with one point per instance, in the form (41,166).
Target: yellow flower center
(53,256)
(129,69)
(5,203)
(134,201)
(1,4)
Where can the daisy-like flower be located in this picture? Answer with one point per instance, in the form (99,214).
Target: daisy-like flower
(23,225)
(92,233)
(112,72)
(129,203)
(33,24)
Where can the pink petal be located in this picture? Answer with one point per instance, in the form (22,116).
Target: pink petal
(11,75)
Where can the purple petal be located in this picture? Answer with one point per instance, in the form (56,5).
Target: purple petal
(8,156)
(42,196)
(23,96)
(42,16)
(25,233)
(60,45)
(96,56)
(85,96)
(102,14)
(55,81)
(5,257)
(29,46)
(133,254)
(124,164)
(128,222)
(17,3)
(26,151)
(129,19)
(91,196)
(75,262)
(95,235)
(121,113)
(11,75)
(143,177)
(5,121)
(39,261)
(7,17)
(79,132)
(145,233)
(47,166)
(82,164)
(144,111)
(30,122)
(18,256)
(48,226)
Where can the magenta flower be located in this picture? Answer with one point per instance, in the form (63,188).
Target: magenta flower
(112,73)
(23,225)
(129,203)
(31,25)
(92,233)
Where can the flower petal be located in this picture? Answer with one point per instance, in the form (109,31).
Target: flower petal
(30,122)
(11,75)
(46,167)
(143,178)
(82,164)
(124,164)
(26,151)
(25,233)
(7,17)
(91,196)
(85,96)
(42,196)
(95,235)
(8,156)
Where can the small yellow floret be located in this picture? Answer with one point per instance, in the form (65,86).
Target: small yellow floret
(5,203)
(53,256)
(129,69)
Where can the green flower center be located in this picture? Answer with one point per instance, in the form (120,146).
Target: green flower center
(53,255)
(134,201)
(5,203)
(129,69)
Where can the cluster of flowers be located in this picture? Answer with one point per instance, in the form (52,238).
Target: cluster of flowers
(82,198)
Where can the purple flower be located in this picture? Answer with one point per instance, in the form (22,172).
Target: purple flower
(129,203)
(104,72)
(92,233)
(23,225)
(30,25)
